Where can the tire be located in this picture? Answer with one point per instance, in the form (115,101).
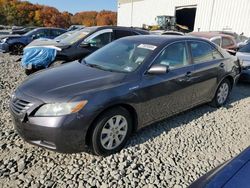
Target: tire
(29,72)
(17,49)
(105,141)
(222,94)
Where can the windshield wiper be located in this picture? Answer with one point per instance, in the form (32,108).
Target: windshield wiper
(100,67)
(93,65)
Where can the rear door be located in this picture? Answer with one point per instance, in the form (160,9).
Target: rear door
(208,63)
(168,93)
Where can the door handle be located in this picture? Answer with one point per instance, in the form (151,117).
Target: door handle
(222,65)
(188,74)
(187,77)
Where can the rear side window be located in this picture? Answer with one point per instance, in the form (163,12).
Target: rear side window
(123,33)
(226,42)
(174,56)
(203,52)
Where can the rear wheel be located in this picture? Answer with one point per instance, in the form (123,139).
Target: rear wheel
(111,132)
(222,93)
(17,49)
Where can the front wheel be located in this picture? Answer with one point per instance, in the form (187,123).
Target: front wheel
(17,49)
(111,132)
(222,94)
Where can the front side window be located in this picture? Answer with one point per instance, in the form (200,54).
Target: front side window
(123,56)
(42,34)
(216,41)
(101,40)
(174,56)
(203,52)
(56,33)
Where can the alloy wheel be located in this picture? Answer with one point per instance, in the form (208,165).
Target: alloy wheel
(114,132)
(223,93)
(18,49)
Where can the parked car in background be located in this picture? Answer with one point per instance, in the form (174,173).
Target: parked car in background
(238,38)
(244,56)
(126,85)
(16,43)
(22,31)
(163,32)
(232,174)
(76,27)
(226,42)
(41,54)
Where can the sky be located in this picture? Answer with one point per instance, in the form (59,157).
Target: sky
(74,6)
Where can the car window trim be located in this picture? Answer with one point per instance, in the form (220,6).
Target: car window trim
(192,58)
(159,53)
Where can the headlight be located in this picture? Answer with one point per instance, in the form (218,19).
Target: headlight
(4,40)
(60,109)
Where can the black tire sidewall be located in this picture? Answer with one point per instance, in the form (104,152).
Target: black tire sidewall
(96,142)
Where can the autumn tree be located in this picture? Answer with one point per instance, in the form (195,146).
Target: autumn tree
(16,12)
(106,18)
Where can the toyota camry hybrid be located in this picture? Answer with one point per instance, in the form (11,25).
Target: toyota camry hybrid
(133,82)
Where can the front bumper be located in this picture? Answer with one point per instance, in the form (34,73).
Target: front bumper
(4,47)
(64,134)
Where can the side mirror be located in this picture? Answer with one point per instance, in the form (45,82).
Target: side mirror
(158,69)
(85,44)
(33,37)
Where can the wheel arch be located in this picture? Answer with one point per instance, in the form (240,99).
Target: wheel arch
(230,79)
(128,107)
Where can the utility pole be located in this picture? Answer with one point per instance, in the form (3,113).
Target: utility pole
(132,12)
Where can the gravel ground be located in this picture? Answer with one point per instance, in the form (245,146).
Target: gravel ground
(172,153)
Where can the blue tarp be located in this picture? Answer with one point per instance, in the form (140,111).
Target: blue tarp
(38,57)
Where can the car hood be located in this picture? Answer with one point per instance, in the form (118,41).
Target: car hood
(11,36)
(42,43)
(69,81)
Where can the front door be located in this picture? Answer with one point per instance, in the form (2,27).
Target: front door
(169,93)
(95,42)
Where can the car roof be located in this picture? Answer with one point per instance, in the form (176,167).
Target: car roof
(38,28)
(96,28)
(161,39)
(209,35)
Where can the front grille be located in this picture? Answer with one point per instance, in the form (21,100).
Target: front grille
(19,106)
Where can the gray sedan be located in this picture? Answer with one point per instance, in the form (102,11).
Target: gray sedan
(244,56)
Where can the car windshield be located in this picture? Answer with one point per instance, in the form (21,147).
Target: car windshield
(123,56)
(245,49)
(63,36)
(30,33)
(76,36)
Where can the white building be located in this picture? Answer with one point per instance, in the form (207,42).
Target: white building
(203,15)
